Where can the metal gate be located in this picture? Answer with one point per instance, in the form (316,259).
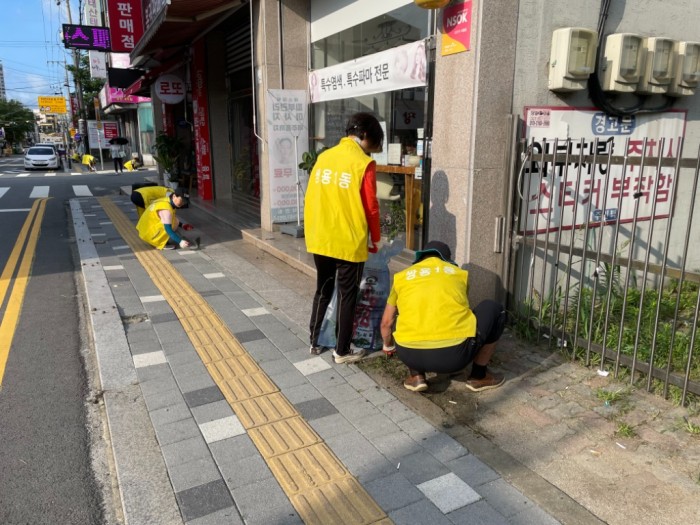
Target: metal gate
(604,258)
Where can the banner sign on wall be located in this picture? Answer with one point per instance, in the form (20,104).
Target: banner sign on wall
(288,135)
(52,105)
(200,109)
(98,64)
(125,23)
(456,28)
(550,192)
(106,129)
(397,68)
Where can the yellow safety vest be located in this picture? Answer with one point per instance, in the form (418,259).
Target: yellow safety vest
(431,297)
(149,226)
(335,224)
(151,193)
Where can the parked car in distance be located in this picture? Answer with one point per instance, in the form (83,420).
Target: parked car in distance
(41,157)
(48,145)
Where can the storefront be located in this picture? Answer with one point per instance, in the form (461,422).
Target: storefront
(378,65)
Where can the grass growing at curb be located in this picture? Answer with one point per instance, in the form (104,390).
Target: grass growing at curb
(625,430)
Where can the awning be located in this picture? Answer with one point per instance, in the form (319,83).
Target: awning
(178,25)
(142,86)
(123,78)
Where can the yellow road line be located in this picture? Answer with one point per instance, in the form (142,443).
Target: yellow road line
(14,304)
(9,270)
(315,480)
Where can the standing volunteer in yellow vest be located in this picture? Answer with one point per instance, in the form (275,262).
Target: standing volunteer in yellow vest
(341,215)
(436,331)
(158,223)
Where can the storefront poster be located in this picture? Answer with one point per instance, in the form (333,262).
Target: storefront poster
(397,68)
(456,28)
(99,137)
(551,191)
(288,134)
(200,110)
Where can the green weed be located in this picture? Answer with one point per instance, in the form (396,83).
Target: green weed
(625,430)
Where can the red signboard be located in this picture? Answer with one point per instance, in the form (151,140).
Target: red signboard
(111,130)
(125,24)
(200,109)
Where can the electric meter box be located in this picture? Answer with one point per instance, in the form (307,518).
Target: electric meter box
(687,69)
(658,65)
(572,58)
(622,62)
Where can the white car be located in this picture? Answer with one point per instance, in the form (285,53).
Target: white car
(41,157)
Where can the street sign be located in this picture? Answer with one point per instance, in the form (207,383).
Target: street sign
(52,105)
(86,37)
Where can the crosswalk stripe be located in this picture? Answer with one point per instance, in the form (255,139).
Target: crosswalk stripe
(3,191)
(23,174)
(82,191)
(50,174)
(39,192)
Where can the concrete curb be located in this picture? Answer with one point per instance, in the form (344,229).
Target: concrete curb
(147,495)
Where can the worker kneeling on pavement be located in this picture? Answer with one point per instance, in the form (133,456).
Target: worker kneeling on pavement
(436,330)
(159,221)
(142,196)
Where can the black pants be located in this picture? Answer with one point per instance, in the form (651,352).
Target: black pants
(490,322)
(119,164)
(349,276)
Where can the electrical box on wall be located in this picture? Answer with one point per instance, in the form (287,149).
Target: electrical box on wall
(622,62)
(687,69)
(572,58)
(658,65)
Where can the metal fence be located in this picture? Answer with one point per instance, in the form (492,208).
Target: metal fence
(603,262)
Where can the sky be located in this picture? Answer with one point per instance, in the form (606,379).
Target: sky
(31,51)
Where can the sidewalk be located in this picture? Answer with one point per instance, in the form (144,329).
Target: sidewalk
(218,414)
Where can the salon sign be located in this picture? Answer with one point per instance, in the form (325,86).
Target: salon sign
(401,67)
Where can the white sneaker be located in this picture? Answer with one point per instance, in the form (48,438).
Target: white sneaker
(354,355)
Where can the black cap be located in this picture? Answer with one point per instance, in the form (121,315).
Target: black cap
(180,192)
(437,248)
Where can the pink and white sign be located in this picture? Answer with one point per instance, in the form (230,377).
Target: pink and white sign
(110,95)
(170,89)
(456,28)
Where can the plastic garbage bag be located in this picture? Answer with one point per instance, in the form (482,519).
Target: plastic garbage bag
(327,336)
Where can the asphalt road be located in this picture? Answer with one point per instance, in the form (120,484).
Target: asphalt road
(50,432)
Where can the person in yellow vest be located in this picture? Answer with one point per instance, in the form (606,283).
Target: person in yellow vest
(158,223)
(341,216)
(143,196)
(89,161)
(436,330)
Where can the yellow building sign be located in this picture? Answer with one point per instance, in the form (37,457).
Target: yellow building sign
(52,105)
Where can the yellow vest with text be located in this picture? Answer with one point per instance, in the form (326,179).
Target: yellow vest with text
(432,303)
(335,224)
(151,193)
(149,226)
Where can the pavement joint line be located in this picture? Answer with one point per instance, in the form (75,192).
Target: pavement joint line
(328,495)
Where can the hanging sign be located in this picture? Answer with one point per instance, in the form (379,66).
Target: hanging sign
(125,23)
(86,37)
(200,110)
(456,28)
(52,105)
(170,89)
(397,68)
(552,193)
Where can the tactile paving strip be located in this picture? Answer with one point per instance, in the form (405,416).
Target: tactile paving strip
(315,480)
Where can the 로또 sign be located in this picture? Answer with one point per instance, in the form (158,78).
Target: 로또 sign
(570,194)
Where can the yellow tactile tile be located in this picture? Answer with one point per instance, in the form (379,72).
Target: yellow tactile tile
(185,309)
(202,337)
(307,468)
(201,322)
(343,501)
(264,410)
(283,436)
(239,388)
(233,367)
(214,352)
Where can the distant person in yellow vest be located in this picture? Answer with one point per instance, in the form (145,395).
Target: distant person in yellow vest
(158,223)
(89,161)
(132,164)
(341,214)
(436,330)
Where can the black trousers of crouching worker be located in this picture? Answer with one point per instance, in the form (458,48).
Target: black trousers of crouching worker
(490,323)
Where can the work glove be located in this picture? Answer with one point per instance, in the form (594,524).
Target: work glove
(187,227)
(184,243)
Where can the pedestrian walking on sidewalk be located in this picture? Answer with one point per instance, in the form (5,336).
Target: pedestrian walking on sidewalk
(436,330)
(341,214)
(159,221)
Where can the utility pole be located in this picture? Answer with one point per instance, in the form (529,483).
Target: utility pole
(78,86)
(69,124)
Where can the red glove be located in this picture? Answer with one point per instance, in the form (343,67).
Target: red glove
(373,248)
(187,227)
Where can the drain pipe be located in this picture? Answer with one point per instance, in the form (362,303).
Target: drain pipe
(254,76)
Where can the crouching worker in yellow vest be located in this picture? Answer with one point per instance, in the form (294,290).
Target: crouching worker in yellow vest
(158,223)
(144,196)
